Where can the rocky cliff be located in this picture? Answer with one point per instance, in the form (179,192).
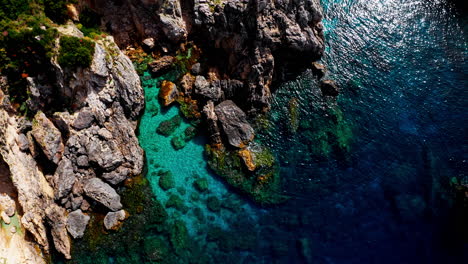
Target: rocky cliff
(67,163)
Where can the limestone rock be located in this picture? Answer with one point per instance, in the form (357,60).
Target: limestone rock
(234,123)
(56,217)
(103,193)
(113,220)
(77,222)
(48,137)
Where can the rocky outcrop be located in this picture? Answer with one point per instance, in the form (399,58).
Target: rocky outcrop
(234,123)
(57,162)
(249,36)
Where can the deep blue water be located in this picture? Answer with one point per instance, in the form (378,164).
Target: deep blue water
(403,73)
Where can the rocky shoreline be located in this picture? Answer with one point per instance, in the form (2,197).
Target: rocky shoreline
(75,149)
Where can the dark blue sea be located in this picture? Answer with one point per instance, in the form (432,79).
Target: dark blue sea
(401,65)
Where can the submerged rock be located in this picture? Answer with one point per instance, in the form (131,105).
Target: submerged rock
(113,220)
(166,128)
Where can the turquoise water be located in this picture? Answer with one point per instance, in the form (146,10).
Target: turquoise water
(186,164)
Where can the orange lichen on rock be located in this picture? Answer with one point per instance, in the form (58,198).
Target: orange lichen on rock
(168,92)
(247,157)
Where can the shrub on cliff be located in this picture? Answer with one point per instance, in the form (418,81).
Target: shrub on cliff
(75,52)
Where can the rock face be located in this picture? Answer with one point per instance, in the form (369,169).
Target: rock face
(92,137)
(234,123)
(252,35)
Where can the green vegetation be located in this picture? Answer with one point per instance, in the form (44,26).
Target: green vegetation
(56,10)
(261,185)
(75,52)
(166,180)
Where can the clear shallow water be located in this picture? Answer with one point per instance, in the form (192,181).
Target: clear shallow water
(367,175)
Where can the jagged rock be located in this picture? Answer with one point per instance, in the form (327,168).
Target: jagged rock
(113,220)
(234,123)
(168,92)
(48,137)
(56,217)
(64,178)
(186,83)
(329,88)
(83,120)
(209,92)
(117,176)
(162,64)
(229,88)
(212,122)
(103,193)
(77,222)
(105,153)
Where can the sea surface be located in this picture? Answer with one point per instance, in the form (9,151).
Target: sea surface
(369,175)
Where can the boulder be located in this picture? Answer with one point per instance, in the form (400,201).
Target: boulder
(64,178)
(103,193)
(48,137)
(168,93)
(162,64)
(77,222)
(234,123)
(207,91)
(112,220)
